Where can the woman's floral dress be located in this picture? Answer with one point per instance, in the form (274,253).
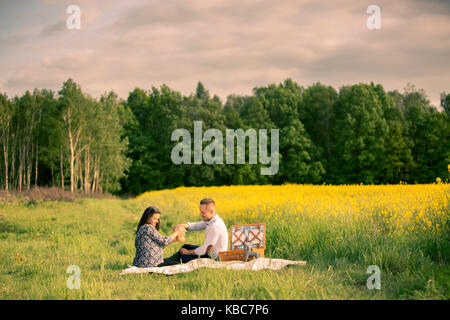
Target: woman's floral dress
(149,247)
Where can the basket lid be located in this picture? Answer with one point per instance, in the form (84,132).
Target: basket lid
(254,233)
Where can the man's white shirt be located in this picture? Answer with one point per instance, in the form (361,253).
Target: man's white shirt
(216,235)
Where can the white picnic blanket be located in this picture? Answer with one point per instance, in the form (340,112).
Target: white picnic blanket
(256,264)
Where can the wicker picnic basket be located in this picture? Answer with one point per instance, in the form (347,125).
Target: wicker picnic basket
(255,235)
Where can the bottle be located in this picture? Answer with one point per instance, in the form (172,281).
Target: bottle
(182,236)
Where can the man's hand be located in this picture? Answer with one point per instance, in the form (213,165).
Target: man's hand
(186,251)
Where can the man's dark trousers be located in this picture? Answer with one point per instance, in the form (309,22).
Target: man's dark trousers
(187,257)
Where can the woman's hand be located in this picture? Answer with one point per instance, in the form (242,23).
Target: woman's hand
(181,235)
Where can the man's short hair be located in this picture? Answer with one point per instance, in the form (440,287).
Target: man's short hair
(207,201)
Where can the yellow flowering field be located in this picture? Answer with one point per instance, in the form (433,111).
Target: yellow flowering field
(396,209)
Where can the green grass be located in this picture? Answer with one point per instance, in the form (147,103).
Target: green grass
(38,241)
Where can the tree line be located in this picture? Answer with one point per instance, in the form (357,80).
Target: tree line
(359,134)
(67,139)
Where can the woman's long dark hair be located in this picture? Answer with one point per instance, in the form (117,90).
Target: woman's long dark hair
(150,211)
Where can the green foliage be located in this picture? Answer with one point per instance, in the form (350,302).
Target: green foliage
(358,136)
(429,135)
(445,103)
(316,112)
(361,134)
(69,139)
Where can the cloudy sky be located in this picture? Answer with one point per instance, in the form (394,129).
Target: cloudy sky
(230,45)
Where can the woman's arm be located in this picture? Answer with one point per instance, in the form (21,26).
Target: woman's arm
(159,239)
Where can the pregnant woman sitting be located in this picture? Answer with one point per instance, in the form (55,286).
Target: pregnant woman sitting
(150,243)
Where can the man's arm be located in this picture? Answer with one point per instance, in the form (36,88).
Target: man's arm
(212,235)
(196,226)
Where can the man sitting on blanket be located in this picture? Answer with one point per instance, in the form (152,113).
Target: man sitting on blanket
(216,235)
